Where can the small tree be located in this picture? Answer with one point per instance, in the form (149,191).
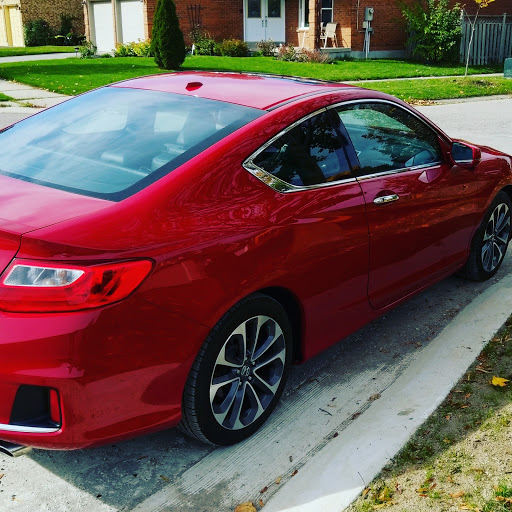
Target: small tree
(481,4)
(434,29)
(167,43)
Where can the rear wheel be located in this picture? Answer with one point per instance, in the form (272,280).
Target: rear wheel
(491,240)
(239,374)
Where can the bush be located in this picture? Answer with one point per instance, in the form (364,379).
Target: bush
(434,28)
(37,33)
(287,53)
(306,55)
(233,48)
(140,49)
(66,35)
(267,48)
(167,43)
(87,50)
(205,45)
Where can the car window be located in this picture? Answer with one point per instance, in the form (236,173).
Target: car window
(310,153)
(387,137)
(112,142)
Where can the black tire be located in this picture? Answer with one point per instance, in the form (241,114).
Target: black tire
(490,241)
(226,403)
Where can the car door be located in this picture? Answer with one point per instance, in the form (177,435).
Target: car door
(420,208)
(320,212)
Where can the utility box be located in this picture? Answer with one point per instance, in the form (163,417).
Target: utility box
(507,73)
(368,14)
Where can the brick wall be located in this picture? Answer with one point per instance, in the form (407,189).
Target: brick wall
(51,10)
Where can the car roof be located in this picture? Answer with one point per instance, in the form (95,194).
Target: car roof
(251,90)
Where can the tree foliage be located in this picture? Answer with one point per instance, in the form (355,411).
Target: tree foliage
(434,29)
(167,43)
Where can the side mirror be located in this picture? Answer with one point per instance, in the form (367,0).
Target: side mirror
(465,155)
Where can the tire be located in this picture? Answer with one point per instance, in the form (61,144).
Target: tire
(490,242)
(239,374)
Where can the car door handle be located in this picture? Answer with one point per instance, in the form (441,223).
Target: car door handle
(386,199)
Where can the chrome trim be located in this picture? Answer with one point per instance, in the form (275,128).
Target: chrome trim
(28,430)
(386,199)
(397,171)
(276,183)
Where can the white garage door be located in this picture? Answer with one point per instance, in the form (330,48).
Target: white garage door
(16,27)
(131,17)
(103,26)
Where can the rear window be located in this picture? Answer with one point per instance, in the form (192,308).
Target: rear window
(113,142)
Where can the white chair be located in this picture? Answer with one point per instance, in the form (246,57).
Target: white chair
(329,33)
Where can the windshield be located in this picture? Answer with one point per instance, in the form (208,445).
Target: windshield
(113,142)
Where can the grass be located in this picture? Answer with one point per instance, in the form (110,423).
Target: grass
(74,76)
(4,97)
(12,51)
(461,457)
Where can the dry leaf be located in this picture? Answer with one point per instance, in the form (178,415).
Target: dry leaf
(499,381)
(366,491)
(294,473)
(1,476)
(164,478)
(261,502)
(245,507)
(265,489)
(447,441)
(422,489)
(374,397)
(457,494)
(278,480)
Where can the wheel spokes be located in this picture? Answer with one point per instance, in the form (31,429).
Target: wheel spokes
(247,372)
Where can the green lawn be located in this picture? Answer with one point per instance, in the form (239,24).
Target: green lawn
(3,97)
(10,51)
(74,76)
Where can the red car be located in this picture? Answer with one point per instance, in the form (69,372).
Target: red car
(169,245)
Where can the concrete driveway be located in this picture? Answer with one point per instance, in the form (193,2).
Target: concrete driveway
(343,415)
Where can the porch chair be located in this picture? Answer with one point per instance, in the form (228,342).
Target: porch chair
(329,33)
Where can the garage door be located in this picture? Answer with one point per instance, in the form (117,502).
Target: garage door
(131,17)
(3,29)
(103,26)
(16,27)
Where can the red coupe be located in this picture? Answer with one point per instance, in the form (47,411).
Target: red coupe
(170,244)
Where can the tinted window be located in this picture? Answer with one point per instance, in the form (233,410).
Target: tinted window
(386,137)
(311,153)
(112,142)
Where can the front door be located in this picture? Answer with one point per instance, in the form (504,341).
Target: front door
(264,20)
(420,208)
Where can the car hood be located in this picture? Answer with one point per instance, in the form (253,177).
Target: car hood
(27,206)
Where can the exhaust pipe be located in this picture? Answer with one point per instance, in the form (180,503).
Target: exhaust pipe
(14,450)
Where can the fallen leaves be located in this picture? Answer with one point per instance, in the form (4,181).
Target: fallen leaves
(457,494)
(246,507)
(499,381)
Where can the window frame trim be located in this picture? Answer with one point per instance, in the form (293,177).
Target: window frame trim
(278,184)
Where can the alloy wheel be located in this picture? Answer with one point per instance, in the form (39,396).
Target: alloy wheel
(247,372)
(496,237)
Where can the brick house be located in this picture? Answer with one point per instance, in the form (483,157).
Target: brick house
(296,22)
(14,14)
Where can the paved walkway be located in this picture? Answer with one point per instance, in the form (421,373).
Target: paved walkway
(42,56)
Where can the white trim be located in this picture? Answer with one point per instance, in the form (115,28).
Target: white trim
(28,430)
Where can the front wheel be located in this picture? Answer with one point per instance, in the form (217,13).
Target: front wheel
(239,373)
(491,240)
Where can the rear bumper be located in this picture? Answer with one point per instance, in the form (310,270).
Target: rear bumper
(118,372)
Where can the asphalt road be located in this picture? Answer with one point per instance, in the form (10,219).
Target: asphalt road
(168,472)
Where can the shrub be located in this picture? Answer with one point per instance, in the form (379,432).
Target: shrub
(205,45)
(306,55)
(139,49)
(87,50)
(434,28)
(167,43)
(267,48)
(37,33)
(66,35)
(286,52)
(233,48)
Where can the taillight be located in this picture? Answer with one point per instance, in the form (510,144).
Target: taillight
(34,286)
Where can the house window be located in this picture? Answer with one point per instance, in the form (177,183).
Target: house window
(327,11)
(303,13)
